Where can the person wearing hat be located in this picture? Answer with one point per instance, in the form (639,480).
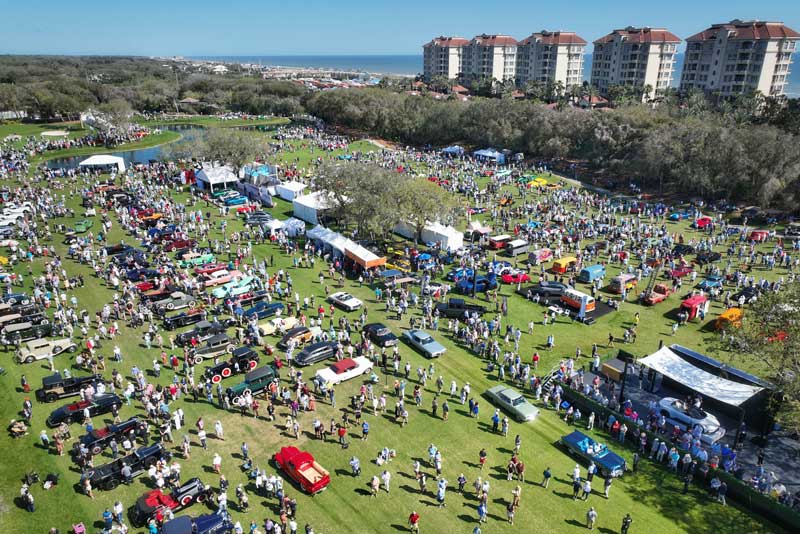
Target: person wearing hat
(591,517)
(626,523)
(413,521)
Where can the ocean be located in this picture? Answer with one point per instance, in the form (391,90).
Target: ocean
(410,65)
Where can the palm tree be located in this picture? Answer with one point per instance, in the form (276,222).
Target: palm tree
(647,90)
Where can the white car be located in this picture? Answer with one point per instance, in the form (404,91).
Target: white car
(344,370)
(686,417)
(10,243)
(345,301)
(39,349)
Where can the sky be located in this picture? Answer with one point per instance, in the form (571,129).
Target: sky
(310,27)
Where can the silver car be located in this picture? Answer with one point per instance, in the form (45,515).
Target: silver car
(424,343)
(513,402)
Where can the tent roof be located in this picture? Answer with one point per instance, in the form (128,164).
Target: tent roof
(316,200)
(669,364)
(335,240)
(293,186)
(488,153)
(103,159)
(216,175)
(364,257)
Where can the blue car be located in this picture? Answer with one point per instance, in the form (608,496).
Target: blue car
(459,273)
(482,284)
(141,274)
(235,201)
(204,524)
(679,215)
(263,310)
(608,463)
(711,282)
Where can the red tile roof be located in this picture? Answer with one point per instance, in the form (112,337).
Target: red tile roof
(447,41)
(747,30)
(494,40)
(554,38)
(642,36)
(459,89)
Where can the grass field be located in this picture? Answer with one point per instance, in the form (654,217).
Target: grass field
(651,495)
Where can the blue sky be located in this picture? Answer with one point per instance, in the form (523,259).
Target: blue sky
(289,27)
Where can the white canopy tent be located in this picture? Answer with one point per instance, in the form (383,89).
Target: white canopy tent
(446,236)
(309,207)
(290,190)
(103,161)
(294,227)
(216,178)
(672,366)
(330,239)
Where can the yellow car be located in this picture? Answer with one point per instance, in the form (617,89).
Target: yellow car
(153,217)
(3,260)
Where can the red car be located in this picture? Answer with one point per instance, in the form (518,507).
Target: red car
(147,285)
(303,469)
(680,272)
(519,278)
(210,268)
(702,222)
(179,244)
(759,236)
(246,209)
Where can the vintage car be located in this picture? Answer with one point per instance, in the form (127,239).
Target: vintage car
(14,333)
(82,226)
(158,293)
(75,412)
(234,287)
(516,278)
(316,352)
(264,310)
(513,402)
(345,300)
(298,335)
(40,349)
(15,298)
(659,293)
(702,222)
(255,382)
(424,343)
(712,281)
(194,259)
(180,244)
(679,272)
(704,258)
(201,332)
(301,467)
(56,387)
(278,324)
(175,301)
(109,476)
(380,335)
(235,201)
(97,440)
(214,346)
(344,370)
(682,249)
(155,503)
(219,277)
(207,269)
(481,284)
(190,316)
(459,273)
(140,274)
(748,295)
(205,524)
(685,417)
(609,464)
(458,308)
(242,360)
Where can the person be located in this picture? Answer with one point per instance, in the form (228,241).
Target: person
(546,477)
(626,524)
(482,458)
(607,486)
(108,519)
(587,489)
(591,517)
(413,522)
(355,465)
(386,477)
(576,488)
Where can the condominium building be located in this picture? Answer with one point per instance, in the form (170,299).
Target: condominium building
(634,56)
(551,57)
(443,56)
(740,57)
(491,56)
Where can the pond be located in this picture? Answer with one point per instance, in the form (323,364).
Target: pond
(141,155)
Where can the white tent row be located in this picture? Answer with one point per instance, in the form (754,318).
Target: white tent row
(309,207)
(291,226)
(446,236)
(671,365)
(103,161)
(290,190)
(333,240)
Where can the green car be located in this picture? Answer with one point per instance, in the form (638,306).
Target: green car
(217,194)
(83,225)
(233,288)
(200,259)
(513,402)
(255,382)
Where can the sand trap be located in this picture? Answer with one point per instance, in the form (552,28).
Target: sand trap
(55,133)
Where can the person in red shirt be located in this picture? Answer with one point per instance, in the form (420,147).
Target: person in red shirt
(413,522)
(535,360)
(342,432)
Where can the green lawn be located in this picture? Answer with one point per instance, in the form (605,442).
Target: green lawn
(73,129)
(652,496)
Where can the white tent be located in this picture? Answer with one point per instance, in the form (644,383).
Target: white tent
(274,225)
(446,236)
(104,161)
(290,190)
(294,227)
(216,178)
(308,208)
(336,242)
(669,364)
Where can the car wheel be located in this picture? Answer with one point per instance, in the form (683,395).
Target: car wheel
(226,372)
(186,500)
(198,360)
(236,401)
(201,498)
(247,392)
(192,304)
(230,348)
(30,359)
(216,379)
(45,321)
(68,420)
(72,348)
(50,397)
(96,450)
(112,484)
(57,350)
(170,305)
(252,364)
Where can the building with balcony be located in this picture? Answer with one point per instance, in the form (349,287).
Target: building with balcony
(443,56)
(551,57)
(490,56)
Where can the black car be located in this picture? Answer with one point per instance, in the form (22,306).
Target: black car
(97,440)
(255,382)
(380,335)
(205,524)
(74,413)
(214,346)
(704,258)
(156,503)
(316,352)
(15,332)
(749,293)
(19,309)
(682,250)
(138,275)
(459,308)
(252,297)
(544,289)
(242,360)
(56,387)
(184,318)
(109,476)
(201,331)
(118,249)
(264,310)
(15,298)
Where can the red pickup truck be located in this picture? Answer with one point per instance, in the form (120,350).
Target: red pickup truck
(303,469)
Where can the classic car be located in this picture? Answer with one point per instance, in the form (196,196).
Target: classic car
(712,281)
(194,259)
(345,300)
(155,503)
(119,248)
(141,274)
(242,360)
(513,402)
(481,284)
(316,352)
(704,258)
(15,298)
(685,417)
(254,383)
(234,287)
(221,276)
(679,215)
(158,293)
(109,476)
(278,324)
(83,225)
(40,349)
(458,308)
(246,209)
(459,274)
(213,346)
(207,269)
(56,387)
(344,370)
(609,464)
(205,524)
(175,301)
(682,250)
(380,334)
(297,335)
(251,297)
(74,412)
(679,272)
(180,244)
(235,201)
(301,467)
(97,440)
(424,343)
(190,316)
(14,333)
(702,222)
(518,278)
(264,310)
(749,294)
(201,332)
